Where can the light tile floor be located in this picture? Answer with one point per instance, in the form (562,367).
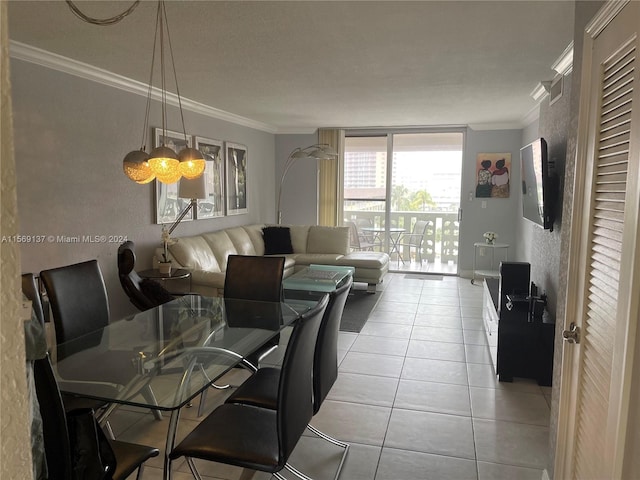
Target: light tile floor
(416,398)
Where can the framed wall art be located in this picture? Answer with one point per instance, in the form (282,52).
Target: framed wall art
(213,151)
(168,205)
(493,173)
(236,178)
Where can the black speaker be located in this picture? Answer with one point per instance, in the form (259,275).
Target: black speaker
(514,282)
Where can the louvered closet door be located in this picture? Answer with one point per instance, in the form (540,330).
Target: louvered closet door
(602,255)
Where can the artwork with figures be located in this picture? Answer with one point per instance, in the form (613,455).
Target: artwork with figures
(168,205)
(493,175)
(236,178)
(213,205)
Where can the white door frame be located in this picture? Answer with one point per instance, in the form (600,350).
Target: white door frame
(613,457)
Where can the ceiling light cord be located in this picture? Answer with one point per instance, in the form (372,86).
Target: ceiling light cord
(149,91)
(163,86)
(175,75)
(103,22)
(163,163)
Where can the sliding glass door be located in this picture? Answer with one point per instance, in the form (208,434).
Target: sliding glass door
(402,196)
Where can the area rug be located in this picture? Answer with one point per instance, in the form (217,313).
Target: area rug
(357,309)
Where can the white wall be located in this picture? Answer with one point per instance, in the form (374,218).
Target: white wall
(71,135)
(501,214)
(300,188)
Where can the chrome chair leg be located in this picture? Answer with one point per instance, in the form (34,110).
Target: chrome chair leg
(194,470)
(107,427)
(278,475)
(328,438)
(140,470)
(150,397)
(334,441)
(103,420)
(203,396)
(295,471)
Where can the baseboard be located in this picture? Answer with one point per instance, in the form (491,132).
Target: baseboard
(545,475)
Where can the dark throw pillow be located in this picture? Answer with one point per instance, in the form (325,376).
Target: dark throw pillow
(277,240)
(155,292)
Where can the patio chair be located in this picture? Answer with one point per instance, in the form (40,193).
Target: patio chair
(357,240)
(413,240)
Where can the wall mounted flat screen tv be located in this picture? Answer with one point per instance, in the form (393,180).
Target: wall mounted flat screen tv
(538,184)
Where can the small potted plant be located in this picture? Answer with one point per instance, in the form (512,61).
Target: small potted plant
(164,266)
(490,237)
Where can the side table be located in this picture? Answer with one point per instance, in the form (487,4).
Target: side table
(178,281)
(491,270)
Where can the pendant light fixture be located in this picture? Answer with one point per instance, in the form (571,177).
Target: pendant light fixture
(163,163)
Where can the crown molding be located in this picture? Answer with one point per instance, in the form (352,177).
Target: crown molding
(516,125)
(564,64)
(531,116)
(44,58)
(296,130)
(541,91)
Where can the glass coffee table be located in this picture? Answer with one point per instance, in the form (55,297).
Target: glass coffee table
(318,278)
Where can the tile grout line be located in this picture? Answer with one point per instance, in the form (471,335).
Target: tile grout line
(384,438)
(473,430)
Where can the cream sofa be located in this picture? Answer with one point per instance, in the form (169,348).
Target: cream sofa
(205,255)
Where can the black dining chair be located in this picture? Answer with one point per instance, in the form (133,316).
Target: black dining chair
(261,389)
(31,290)
(143,293)
(80,308)
(262,438)
(57,444)
(258,278)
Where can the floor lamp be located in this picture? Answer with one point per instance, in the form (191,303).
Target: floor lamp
(312,152)
(192,189)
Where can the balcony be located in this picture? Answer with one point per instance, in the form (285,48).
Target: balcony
(439,244)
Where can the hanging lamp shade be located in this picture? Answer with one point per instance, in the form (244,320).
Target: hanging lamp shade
(136,167)
(192,163)
(165,164)
(171,177)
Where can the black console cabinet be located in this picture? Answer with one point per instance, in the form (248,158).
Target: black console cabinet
(519,347)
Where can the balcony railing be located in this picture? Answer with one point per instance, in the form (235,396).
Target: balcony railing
(440,238)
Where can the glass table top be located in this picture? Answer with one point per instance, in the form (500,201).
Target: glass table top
(177,349)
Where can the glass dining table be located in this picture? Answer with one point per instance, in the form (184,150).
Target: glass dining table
(178,349)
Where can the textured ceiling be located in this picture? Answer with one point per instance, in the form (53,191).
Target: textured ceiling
(306,64)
